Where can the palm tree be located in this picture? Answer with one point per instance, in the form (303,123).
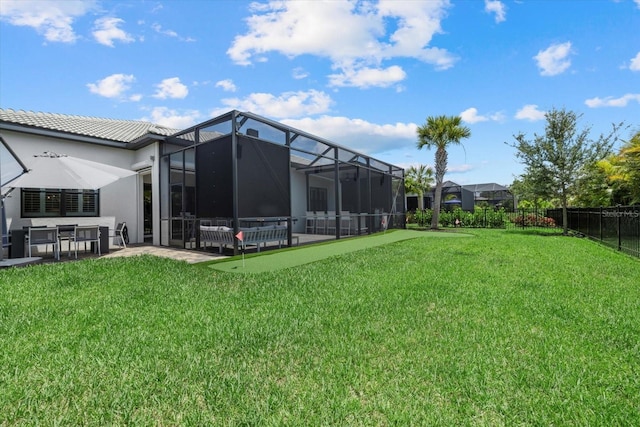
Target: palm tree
(418,180)
(439,132)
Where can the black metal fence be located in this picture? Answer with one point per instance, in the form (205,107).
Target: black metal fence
(486,218)
(530,218)
(617,227)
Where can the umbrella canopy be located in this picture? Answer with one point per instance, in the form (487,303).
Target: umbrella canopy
(10,166)
(52,170)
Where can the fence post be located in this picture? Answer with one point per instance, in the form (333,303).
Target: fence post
(485,218)
(618,215)
(523,218)
(600,223)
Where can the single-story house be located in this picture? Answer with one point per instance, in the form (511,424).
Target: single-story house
(238,170)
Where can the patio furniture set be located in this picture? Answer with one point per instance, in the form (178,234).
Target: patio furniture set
(326,222)
(24,241)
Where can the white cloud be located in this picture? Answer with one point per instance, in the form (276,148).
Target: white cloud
(299,73)
(106,31)
(158,29)
(227,85)
(530,112)
(465,167)
(497,7)
(470,115)
(610,101)
(638,3)
(554,59)
(368,77)
(113,86)
(635,62)
(171,88)
(359,135)
(352,35)
(53,19)
(173,119)
(288,104)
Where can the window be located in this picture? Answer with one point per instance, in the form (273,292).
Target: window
(317,199)
(62,203)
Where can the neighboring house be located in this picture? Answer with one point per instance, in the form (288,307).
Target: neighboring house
(465,196)
(491,194)
(234,169)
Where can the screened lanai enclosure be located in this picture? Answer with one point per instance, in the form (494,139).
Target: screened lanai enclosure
(241,171)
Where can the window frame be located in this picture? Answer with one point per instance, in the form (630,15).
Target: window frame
(65,203)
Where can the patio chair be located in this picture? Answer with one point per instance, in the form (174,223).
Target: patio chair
(86,234)
(310,219)
(321,223)
(345,223)
(64,233)
(121,235)
(331,222)
(44,236)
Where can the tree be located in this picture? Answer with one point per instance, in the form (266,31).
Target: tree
(527,196)
(629,161)
(553,161)
(440,132)
(596,185)
(418,180)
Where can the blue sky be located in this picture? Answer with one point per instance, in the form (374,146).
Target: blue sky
(362,74)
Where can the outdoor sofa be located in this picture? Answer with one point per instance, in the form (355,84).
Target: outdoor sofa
(222,236)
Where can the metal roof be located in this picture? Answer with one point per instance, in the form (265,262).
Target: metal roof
(491,186)
(125,131)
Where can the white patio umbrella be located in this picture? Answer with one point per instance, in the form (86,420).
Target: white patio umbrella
(59,171)
(51,170)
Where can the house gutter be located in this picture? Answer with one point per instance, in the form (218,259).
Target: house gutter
(136,144)
(65,135)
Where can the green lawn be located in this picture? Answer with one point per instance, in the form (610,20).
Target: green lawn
(505,328)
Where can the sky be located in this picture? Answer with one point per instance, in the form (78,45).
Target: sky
(363,74)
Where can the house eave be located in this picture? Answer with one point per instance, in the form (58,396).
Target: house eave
(60,135)
(144,141)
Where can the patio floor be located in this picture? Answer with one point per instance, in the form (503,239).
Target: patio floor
(186,255)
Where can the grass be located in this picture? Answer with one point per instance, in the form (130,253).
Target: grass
(501,329)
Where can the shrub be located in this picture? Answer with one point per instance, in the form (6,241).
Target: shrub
(420,217)
(532,220)
(480,217)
